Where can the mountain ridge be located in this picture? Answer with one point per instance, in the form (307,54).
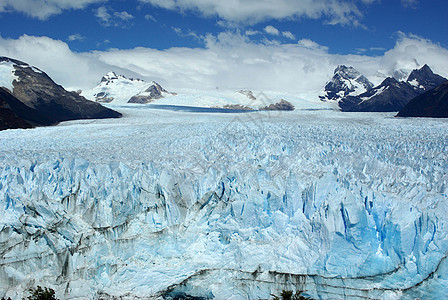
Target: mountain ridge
(44,101)
(115,88)
(390,95)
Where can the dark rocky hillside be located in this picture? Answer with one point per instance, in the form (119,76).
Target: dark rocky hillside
(391,94)
(44,102)
(432,104)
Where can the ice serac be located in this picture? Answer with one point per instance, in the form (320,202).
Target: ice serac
(340,208)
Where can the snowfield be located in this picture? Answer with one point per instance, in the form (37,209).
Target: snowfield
(226,206)
(7,75)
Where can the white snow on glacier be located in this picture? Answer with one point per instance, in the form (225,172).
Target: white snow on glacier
(226,206)
(7,75)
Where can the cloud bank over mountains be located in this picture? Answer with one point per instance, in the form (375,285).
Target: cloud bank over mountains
(229,60)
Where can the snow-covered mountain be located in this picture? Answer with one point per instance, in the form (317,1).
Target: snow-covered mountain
(226,206)
(32,96)
(390,95)
(346,81)
(118,89)
(423,79)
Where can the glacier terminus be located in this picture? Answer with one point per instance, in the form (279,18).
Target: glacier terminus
(160,204)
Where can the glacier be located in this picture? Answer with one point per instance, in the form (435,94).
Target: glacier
(162,203)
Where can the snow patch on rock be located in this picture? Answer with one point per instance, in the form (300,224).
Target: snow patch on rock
(7,75)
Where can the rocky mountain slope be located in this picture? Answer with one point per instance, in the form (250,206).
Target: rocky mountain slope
(8,117)
(433,104)
(346,81)
(38,100)
(14,114)
(119,89)
(391,95)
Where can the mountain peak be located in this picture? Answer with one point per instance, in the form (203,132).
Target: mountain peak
(118,88)
(347,72)
(345,81)
(424,79)
(111,76)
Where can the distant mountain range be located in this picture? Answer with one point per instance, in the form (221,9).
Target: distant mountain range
(354,92)
(29,97)
(118,89)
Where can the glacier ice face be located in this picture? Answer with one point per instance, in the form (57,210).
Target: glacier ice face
(232,206)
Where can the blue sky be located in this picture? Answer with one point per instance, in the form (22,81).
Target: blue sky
(138,24)
(126,35)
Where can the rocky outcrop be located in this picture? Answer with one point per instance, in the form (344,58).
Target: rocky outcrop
(8,117)
(153,92)
(20,115)
(432,104)
(248,93)
(282,105)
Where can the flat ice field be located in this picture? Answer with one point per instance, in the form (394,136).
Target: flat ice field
(166,203)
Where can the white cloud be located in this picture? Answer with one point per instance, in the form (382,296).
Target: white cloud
(43,9)
(309,44)
(124,15)
(289,35)
(271,30)
(56,59)
(150,18)
(228,60)
(190,33)
(251,32)
(103,15)
(411,50)
(377,49)
(409,3)
(108,17)
(255,11)
(76,37)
